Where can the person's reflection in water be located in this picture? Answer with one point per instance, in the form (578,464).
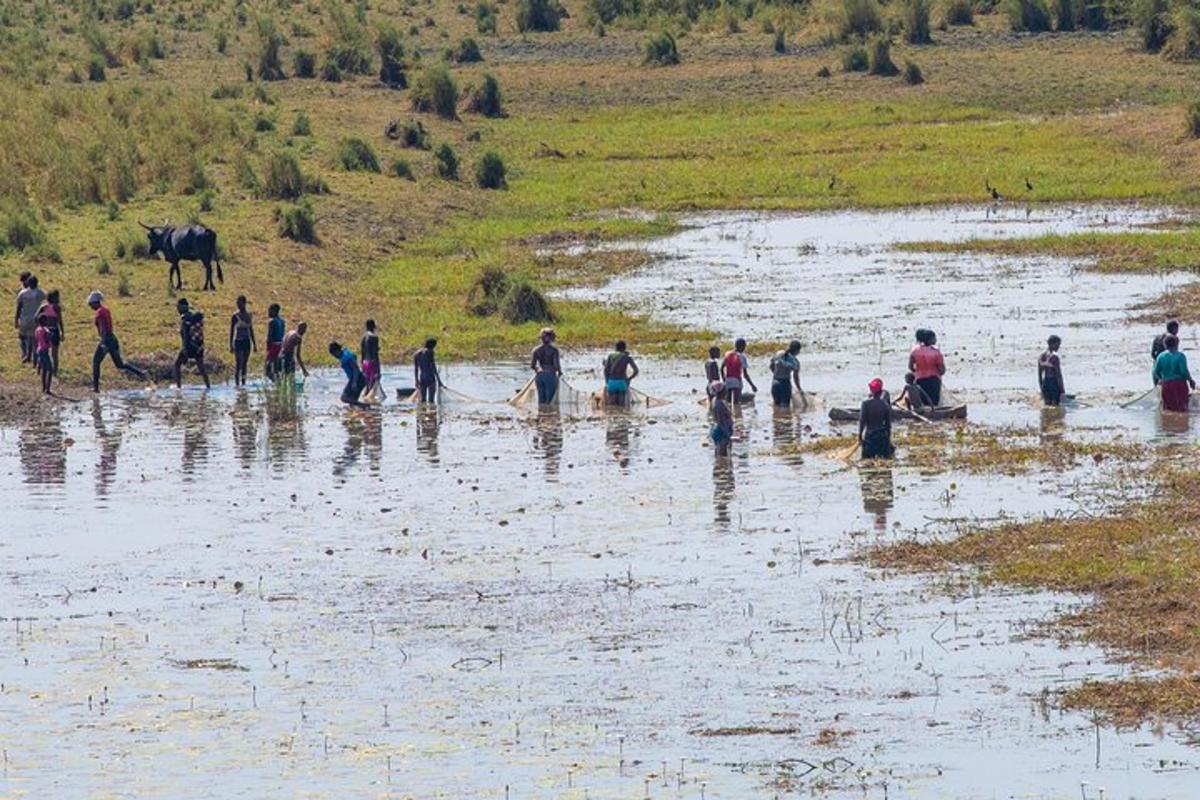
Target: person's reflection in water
(285,428)
(617,435)
(1051,423)
(724,484)
(373,441)
(428,427)
(196,416)
(785,431)
(1174,423)
(355,428)
(43,450)
(109,441)
(878,493)
(548,438)
(245,429)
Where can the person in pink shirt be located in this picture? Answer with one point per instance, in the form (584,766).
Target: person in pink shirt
(41,352)
(927,364)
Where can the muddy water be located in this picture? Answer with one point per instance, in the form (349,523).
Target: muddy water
(258,595)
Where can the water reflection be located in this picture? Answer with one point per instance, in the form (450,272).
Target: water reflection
(43,450)
(364,437)
(428,427)
(108,442)
(1052,423)
(245,429)
(285,427)
(548,439)
(878,493)
(617,434)
(786,433)
(1173,423)
(724,484)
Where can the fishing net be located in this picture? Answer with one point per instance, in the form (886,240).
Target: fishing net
(444,396)
(569,397)
(1153,399)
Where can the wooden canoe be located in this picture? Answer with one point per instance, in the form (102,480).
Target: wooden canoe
(932,414)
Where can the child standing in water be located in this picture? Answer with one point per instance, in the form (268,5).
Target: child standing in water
(721,432)
(43,341)
(712,369)
(241,340)
(275,331)
(425,372)
(371,368)
(1050,377)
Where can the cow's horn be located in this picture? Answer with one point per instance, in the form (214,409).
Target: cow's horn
(144,225)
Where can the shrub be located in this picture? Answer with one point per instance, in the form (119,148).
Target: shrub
(1095,15)
(247,178)
(485,18)
(912,73)
(435,90)
(20,229)
(301,125)
(879,57)
(660,49)
(824,72)
(487,291)
(269,67)
(356,155)
(283,179)
(860,17)
(780,41)
(1183,43)
(445,162)
(297,222)
(1027,15)
(486,99)
(391,57)
(103,268)
(264,124)
(409,134)
(1064,15)
(490,172)
(330,71)
(350,48)
(467,52)
(960,12)
(95,69)
(1192,120)
(537,15)
(1153,22)
(222,41)
(123,289)
(854,60)
(523,303)
(916,21)
(402,169)
(304,64)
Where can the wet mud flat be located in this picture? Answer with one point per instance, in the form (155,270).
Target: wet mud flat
(256,594)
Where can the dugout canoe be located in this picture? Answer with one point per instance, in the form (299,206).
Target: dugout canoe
(932,414)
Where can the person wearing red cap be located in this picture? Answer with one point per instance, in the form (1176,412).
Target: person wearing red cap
(875,423)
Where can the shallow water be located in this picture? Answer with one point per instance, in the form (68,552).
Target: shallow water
(262,595)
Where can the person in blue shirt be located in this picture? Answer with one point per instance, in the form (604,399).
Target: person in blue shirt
(355,381)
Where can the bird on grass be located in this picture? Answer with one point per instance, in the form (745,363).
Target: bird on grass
(992,190)
(1028,185)
(832,182)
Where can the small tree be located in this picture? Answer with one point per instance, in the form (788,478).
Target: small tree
(661,50)
(304,64)
(879,57)
(435,90)
(490,172)
(467,52)
(538,15)
(269,67)
(1153,22)
(445,162)
(486,99)
(391,57)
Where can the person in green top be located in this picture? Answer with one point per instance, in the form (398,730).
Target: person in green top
(1172,376)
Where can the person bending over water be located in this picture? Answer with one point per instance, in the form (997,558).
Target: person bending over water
(875,423)
(926,362)
(290,355)
(1050,377)
(241,340)
(1172,376)
(619,371)
(785,373)
(547,368)
(191,336)
(108,346)
(355,380)
(735,369)
(425,372)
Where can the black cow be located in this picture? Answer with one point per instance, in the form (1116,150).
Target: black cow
(189,243)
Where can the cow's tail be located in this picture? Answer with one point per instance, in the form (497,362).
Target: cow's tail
(217,258)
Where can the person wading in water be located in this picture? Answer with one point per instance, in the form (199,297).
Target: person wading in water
(926,362)
(875,423)
(372,369)
(191,337)
(1050,377)
(617,375)
(1172,376)
(1159,345)
(241,340)
(425,372)
(547,368)
(785,373)
(275,330)
(735,369)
